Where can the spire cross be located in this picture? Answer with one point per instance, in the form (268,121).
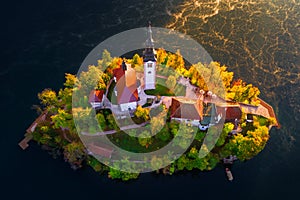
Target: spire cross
(149,41)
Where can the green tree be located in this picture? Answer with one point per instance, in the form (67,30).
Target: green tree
(157,123)
(45,139)
(136,61)
(182,162)
(171,82)
(92,79)
(156,162)
(105,61)
(125,176)
(145,139)
(74,153)
(245,147)
(101,120)
(163,134)
(228,127)
(112,124)
(63,120)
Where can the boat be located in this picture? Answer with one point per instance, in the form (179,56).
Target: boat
(229,174)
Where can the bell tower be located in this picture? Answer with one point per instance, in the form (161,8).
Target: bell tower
(149,62)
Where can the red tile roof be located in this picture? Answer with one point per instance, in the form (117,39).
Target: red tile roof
(186,109)
(233,113)
(118,73)
(96,96)
(104,151)
(126,85)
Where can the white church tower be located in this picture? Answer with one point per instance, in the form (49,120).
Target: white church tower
(149,62)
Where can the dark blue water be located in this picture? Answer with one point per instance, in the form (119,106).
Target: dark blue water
(41,40)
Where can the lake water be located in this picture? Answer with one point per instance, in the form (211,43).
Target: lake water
(41,40)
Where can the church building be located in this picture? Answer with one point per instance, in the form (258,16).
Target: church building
(126,87)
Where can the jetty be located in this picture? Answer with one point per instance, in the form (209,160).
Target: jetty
(28,135)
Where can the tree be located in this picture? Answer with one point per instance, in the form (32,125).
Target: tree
(193,153)
(65,98)
(92,79)
(101,120)
(200,135)
(71,80)
(63,120)
(161,56)
(156,162)
(157,123)
(112,124)
(95,164)
(45,139)
(181,162)
(183,136)
(141,112)
(173,127)
(125,176)
(74,153)
(48,98)
(136,61)
(175,60)
(145,139)
(84,118)
(163,134)
(245,147)
(242,92)
(226,76)
(171,82)
(228,127)
(105,61)
(196,76)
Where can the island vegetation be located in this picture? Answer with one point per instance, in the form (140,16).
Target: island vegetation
(59,136)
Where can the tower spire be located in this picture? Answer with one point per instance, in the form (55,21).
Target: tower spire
(149,41)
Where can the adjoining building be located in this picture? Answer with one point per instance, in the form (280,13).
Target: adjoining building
(96,98)
(149,62)
(126,87)
(100,150)
(210,116)
(187,110)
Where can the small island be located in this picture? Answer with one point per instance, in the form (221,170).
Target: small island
(158,92)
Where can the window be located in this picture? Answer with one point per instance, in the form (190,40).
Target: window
(149,65)
(149,72)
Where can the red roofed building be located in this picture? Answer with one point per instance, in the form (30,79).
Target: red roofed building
(233,113)
(126,87)
(104,151)
(184,109)
(96,98)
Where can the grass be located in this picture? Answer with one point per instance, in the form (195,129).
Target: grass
(162,89)
(262,121)
(110,94)
(130,143)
